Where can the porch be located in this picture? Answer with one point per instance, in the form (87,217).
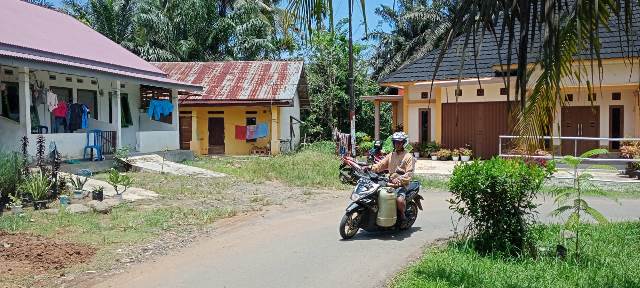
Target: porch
(117,108)
(397,111)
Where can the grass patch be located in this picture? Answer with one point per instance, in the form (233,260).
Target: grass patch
(609,259)
(432,182)
(124,225)
(313,166)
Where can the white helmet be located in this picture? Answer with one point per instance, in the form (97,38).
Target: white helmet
(399,136)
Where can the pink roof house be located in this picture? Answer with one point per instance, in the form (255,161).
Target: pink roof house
(56,61)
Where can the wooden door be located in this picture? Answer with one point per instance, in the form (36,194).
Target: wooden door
(185,132)
(580,121)
(425,125)
(216,135)
(476,124)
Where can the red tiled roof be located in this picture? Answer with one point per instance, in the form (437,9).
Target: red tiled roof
(237,81)
(39,34)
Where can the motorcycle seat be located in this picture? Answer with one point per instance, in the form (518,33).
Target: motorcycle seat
(413,186)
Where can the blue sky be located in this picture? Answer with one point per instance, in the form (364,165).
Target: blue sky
(341,11)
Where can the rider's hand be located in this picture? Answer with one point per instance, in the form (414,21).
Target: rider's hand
(366,168)
(395,181)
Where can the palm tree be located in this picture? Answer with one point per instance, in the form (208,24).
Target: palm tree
(307,15)
(112,18)
(566,30)
(418,27)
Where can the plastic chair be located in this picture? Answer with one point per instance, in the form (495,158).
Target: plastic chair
(97,144)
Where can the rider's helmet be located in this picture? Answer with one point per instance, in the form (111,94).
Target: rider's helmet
(377,145)
(399,137)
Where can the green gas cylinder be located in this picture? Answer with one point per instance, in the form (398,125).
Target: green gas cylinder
(386,207)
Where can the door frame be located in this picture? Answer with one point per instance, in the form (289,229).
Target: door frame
(611,107)
(420,110)
(209,135)
(180,131)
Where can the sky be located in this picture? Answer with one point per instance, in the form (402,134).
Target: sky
(341,11)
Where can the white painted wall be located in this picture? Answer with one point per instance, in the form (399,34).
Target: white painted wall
(152,141)
(285,122)
(10,135)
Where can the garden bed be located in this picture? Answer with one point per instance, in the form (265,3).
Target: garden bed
(23,253)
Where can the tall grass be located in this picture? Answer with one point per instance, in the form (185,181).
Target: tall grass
(608,259)
(315,165)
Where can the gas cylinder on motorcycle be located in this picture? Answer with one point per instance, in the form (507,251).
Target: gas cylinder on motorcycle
(387,207)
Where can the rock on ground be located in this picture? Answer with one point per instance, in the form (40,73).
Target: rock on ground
(78,208)
(102,207)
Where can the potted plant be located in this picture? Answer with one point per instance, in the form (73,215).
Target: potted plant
(78,186)
(16,204)
(443,154)
(427,149)
(97,193)
(416,149)
(119,181)
(465,154)
(434,156)
(37,185)
(455,155)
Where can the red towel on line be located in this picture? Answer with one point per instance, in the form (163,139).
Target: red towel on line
(241,132)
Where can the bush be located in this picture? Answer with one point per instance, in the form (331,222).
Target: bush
(496,196)
(11,166)
(365,146)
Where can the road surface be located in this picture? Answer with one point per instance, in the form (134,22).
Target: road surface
(301,247)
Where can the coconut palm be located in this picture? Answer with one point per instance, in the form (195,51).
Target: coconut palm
(568,33)
(418,27)
(112,18)
(307,15)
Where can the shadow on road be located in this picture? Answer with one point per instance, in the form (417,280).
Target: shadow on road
(385,235)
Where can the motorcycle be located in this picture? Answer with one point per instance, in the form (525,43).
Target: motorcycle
(373,206)
(350,167)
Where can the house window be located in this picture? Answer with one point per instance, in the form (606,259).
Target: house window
(52,77)
(8,72)
(592,97)
(480,92)
(79,80)
(89,98)
(458,92)
(424,95)
(616,96)
(503,91)
(251,121)
(10,100)
(148,93)
(68,79)
(568,97)
(126,118)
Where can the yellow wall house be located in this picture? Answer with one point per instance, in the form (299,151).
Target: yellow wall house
(246,107)
(468,105)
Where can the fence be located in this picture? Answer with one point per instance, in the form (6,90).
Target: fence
(506,138)
(108,141)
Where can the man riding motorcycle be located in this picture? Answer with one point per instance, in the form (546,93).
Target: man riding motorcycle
(398,160)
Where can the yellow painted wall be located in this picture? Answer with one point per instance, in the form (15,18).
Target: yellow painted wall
(233,115)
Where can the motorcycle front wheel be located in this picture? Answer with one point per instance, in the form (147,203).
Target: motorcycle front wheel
(412,215)
(349,225)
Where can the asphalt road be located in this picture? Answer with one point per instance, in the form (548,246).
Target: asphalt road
(301,247)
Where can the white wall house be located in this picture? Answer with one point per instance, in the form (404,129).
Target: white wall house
(57,53)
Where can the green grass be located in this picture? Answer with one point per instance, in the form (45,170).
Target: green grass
(609,259)
(124,225)
(432,182)
(314,166)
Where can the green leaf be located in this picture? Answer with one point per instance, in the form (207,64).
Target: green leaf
(572,221)
(561,210)
(594,152)
(596,215)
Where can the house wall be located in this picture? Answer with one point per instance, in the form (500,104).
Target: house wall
(233,115)
(285,123)
(70,144)
(617,76)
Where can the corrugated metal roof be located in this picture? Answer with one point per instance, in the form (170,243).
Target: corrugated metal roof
(35,33)
(243,81)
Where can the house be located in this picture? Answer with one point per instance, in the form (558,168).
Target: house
(476,112)
(239,96)
(47,55)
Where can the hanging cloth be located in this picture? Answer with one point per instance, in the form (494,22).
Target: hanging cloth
(262,130)
(241,132)
(52,100)
(125,119)
(251,132)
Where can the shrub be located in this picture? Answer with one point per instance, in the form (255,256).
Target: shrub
(37,185)
(11,166)
(365,146)
(496,196)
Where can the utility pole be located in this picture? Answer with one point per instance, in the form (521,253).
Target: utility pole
(352,102)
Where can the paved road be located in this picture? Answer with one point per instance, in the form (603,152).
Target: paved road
(300,247)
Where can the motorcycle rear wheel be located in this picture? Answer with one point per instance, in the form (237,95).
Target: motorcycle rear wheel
(349,226)
(412,215)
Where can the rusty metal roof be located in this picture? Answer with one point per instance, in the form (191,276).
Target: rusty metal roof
(239,81)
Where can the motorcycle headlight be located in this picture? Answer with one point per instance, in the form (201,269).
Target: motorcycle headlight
(355,197)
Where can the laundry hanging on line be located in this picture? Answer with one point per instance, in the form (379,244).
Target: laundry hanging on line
(251,132)
(241,132)
(159,108)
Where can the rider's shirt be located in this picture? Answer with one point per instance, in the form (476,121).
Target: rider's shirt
(402,160)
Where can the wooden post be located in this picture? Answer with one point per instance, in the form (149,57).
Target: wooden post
(275,130)
(376,105)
